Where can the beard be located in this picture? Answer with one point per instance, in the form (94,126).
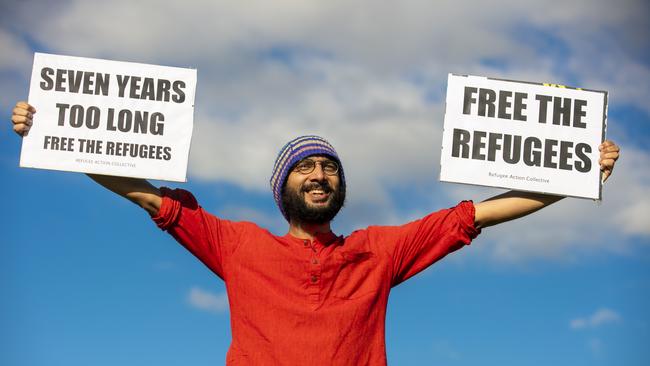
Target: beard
(296,207)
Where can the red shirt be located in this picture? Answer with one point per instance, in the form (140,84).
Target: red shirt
(301,302)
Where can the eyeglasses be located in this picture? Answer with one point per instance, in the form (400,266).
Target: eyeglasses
(307,166)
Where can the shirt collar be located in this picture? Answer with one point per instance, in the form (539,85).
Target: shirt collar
(319,238)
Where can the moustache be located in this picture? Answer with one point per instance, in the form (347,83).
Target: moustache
(324,186)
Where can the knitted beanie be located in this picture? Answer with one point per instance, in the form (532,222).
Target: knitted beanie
(294,151)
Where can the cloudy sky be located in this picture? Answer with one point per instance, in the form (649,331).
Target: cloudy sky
(87,279)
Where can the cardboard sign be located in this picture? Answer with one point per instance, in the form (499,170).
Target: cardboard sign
(108,117)
(524,136)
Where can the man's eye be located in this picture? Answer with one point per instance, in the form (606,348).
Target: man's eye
(304,166)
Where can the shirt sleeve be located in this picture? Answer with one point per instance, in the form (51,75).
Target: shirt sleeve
(415,246)
(212,240)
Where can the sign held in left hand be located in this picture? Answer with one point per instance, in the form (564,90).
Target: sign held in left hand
(524,136)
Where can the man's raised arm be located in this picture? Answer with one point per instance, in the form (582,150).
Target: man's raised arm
(138,191)
(512,205)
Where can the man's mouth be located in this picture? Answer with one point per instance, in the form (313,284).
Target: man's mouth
(317,194)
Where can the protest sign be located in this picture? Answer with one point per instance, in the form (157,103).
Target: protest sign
(108,117)
(524,136)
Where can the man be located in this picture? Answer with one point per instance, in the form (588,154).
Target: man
(311,297)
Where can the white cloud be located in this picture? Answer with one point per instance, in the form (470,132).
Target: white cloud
(632,195)
(15,55)
(601,317)
(15,66)
(572,227)
(589,28)
(370,77)
(208,301)
(386,38)
(275,223)
(357,113)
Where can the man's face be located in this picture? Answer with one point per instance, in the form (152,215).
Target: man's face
(313,197)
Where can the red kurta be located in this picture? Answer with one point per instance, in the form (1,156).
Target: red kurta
(301,302)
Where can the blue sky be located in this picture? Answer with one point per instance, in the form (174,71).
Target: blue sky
(87,279)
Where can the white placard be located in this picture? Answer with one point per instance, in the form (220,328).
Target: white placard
(109,117)
(524,136)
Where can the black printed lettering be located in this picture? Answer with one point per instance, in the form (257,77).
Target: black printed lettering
(468,99)
(543,106)
(532,155)
(562,111)
(477,145)
(178,87)
(486,99)
(504,104)
(533,151)
(579,112)
(565,155)
(460,141)
(162,91)
(493,145)
(135,87)
(550,153)
(47,82)
(520,106)
(122,81)
(511,149)
(584,164)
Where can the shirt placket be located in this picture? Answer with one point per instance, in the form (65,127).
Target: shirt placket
(314,271)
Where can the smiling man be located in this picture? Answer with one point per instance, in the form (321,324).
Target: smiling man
(311,297)
(308,184)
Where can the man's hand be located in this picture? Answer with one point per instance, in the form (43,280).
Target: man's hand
(139,191)
(609,153)
(21,117)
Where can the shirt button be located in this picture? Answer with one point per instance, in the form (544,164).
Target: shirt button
(314,279)
(306,243)
(314,261)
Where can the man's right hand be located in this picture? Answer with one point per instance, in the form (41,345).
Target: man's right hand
(21,117)
(139,191)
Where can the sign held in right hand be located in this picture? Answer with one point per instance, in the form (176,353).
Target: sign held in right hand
(108,117)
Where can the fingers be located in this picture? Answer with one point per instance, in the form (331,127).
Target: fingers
(609,153)
(608,146)
(606,143)
(606,174)
(24,105)
(21,118)
(607,164)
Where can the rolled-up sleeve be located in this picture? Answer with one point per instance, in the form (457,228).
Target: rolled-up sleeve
(415,246)
(172,203)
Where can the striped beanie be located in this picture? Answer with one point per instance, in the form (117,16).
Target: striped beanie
(294,151)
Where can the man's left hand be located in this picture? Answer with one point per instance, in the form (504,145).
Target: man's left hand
(609,153)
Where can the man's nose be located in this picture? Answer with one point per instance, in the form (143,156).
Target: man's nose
(318,173)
